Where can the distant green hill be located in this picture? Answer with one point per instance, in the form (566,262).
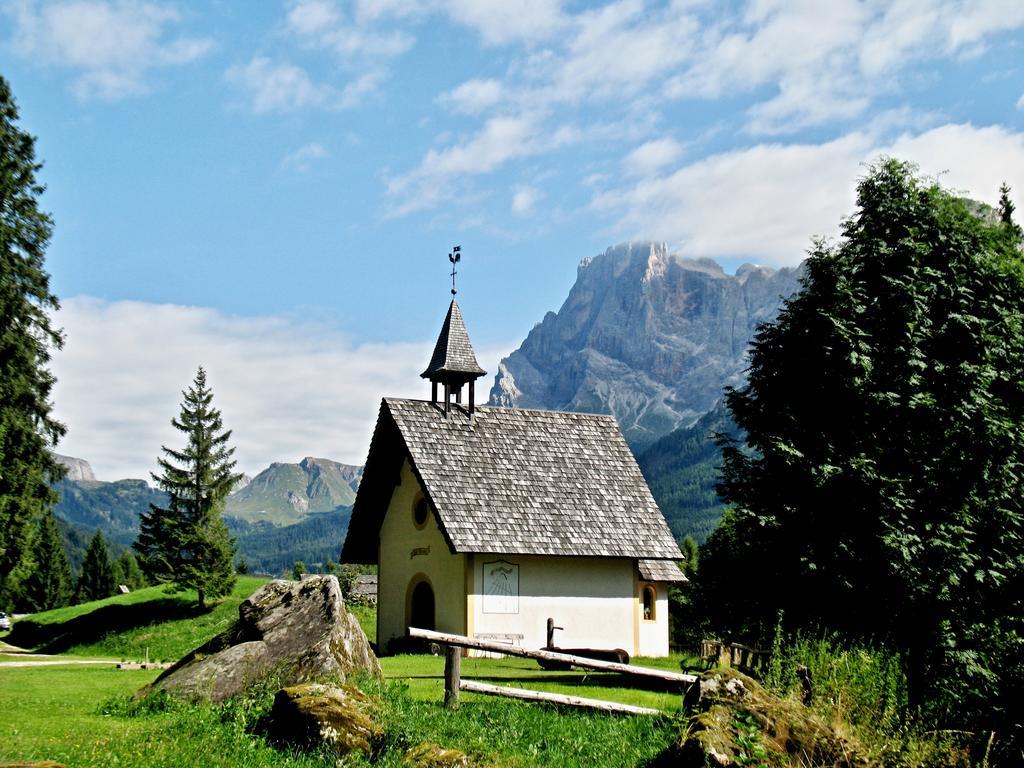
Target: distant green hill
(114,508)
(284,494)
(274,549)
(682,469)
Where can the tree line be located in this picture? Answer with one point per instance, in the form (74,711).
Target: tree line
(185,542)
(876,488)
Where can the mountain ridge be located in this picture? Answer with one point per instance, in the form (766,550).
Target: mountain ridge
(304,522)
(647,335)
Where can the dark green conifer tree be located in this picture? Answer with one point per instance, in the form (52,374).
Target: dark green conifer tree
(127,572)
(187,542)
(97,578)
(27,429)
(49,584)
(1006,209)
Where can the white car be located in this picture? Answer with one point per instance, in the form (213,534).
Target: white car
(5,621)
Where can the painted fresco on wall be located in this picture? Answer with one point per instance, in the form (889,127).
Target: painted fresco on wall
(501,587)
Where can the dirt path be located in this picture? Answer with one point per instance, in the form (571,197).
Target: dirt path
(55,661)
(41,659)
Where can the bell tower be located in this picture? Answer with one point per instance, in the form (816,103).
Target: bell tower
(453,363)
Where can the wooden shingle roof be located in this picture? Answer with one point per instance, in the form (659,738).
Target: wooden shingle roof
(661,570)
(512,481)
(453,353)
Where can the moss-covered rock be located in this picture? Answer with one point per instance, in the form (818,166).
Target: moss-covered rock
(430,755)
(299,631)
(741,724)
(313,715)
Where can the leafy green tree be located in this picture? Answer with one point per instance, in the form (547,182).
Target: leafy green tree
(187,542)
(49,584)
(27,429)
(128,572)
(298,570)
(97,579)
(879,490)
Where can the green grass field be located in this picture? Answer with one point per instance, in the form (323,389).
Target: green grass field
(82,715)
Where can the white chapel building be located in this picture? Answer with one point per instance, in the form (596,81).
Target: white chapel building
(488,521)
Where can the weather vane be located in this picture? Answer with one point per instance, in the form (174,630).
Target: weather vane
(455,257)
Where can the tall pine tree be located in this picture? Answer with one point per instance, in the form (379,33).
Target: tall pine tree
(27,429)
(97,578)
(187,542)
(49,583)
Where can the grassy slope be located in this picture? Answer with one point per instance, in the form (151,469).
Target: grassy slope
(168,624)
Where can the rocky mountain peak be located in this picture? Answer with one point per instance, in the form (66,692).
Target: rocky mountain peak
(77,469)
(648,335)
(284,493)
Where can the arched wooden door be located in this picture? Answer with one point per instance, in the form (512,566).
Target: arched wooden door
(421,606)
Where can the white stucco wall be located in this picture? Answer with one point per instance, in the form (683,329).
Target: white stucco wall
(594,599)
(652,636)
(408,553)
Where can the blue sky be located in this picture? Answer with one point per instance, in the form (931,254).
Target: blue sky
(271,189)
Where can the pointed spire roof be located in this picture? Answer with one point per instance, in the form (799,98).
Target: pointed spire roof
(453,354)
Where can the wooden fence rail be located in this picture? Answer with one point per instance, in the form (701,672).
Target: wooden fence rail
(443,638)
(453,682)
(557,698)
(732,655)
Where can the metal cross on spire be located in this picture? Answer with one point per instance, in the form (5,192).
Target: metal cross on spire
(455,257)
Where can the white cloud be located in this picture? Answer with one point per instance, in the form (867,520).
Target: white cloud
(314,17)
(507,21)
(284,87)
(474,96)
(969,159)
(764,203)
(281,86)
(524,199)
(322,24)
(924,28)
(111,44)
(303,159)
(498,22)
(805,64)
(277,87)
(652,156)
(830,61)
(616,51)
(287,388)
(499,141)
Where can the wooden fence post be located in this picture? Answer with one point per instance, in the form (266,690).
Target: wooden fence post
(452,675)
(804,674)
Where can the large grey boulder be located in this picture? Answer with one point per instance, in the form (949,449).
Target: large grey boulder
(299,631)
